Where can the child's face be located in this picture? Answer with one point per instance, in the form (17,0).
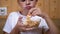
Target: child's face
(27,4)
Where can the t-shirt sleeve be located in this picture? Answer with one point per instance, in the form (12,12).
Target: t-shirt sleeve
(10,22)
(8,26)
(43,24)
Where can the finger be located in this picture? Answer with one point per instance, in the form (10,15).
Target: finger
(28,29)
(22,29)
(31,10)
(20,18)
(20,21)
(39,11)
(34,13)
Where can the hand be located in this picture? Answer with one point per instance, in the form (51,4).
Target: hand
(38,12)
(22,27)
(34,11)
(52,27)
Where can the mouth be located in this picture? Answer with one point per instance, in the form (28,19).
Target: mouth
(28,7)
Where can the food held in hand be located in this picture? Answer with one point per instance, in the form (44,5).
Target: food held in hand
(26,20)
(32,21)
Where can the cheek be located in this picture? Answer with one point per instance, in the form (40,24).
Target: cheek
(33,4)
(22,5)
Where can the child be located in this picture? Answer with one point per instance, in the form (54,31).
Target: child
(14,22)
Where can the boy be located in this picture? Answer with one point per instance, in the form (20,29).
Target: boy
(14,22)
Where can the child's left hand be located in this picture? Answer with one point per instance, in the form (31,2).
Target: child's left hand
(34,11)
(38,12)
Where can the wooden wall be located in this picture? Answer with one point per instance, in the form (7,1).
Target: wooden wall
(49,6)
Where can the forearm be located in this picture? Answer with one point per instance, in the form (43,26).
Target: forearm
(12,32)
(15,30)
(52,27)
(4,32)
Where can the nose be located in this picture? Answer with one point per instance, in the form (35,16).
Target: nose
(27,2)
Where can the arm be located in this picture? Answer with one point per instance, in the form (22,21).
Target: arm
(10,22)
(14,31)
(5,33)
(52,27)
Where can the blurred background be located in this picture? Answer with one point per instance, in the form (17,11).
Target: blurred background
(51,7)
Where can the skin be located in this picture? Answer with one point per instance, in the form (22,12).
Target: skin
(33,11)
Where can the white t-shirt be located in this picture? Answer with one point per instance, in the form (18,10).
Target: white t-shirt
(12,21)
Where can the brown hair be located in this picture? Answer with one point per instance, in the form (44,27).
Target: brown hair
(18,1)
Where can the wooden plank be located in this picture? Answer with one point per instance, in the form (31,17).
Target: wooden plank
(52,10)
(14,5)
(46,6)
(58,5)
(6,3)
(40,4)
(52,7)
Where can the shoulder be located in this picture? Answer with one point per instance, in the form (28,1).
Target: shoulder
(42,19)
(43,22)
(13,13)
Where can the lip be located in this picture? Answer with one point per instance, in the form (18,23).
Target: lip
(28,7)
